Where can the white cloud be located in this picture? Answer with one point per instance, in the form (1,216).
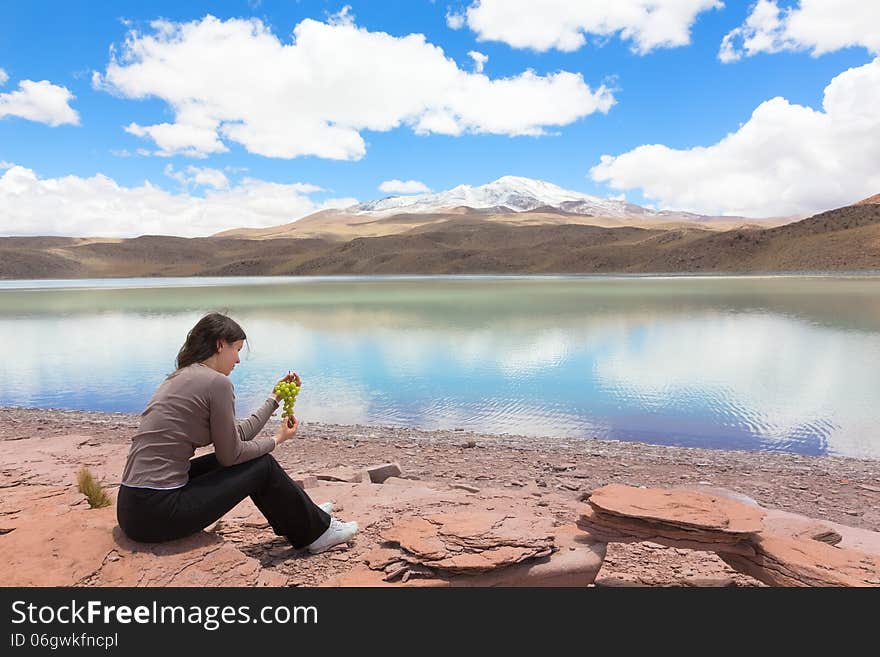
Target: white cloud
(563,24)
(235,81)
(198,176)
(41,101)
(479,60)
(99,206)
(786,159)
(5,165)
(181,138)
(455,21)
(819,26)
(404,187)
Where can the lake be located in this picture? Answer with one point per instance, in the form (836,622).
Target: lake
(781,363)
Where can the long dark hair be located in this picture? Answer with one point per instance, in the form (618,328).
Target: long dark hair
(201,341)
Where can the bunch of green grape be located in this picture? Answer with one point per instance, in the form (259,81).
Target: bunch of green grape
(287,390)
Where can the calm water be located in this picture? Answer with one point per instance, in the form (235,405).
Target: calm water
(760,363)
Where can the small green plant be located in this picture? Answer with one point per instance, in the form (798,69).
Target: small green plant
(94,492)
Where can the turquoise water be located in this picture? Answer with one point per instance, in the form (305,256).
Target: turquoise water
(759,363)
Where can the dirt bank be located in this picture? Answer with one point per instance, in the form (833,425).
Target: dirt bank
(831,488)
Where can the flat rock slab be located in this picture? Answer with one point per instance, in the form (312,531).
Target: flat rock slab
(683,508)
(502,537)
(796,525)
(682,518)
(56,459)
(619,529)
(801,561)
(471,541)
(795,550)
(575,561)
(773,546)
(60,541)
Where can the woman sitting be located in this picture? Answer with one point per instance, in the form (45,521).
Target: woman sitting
(166,494)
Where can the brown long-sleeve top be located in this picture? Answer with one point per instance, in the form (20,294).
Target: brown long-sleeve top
(193,407)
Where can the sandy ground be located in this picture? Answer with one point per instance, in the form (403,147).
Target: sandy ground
(843,490)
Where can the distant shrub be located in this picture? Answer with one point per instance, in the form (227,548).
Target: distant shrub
(94,492)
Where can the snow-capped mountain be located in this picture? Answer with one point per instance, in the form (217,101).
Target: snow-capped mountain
(501,201)
(512,192)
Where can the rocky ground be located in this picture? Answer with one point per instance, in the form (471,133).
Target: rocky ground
(41,449)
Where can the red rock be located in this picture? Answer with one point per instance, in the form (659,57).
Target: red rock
(379,473)
(564,567)
(787,561)
(709,528)
(470,541)
(619,529)
(306,481)
(786,550)
(679,508)
(83,547)
(792,525)
(348,475)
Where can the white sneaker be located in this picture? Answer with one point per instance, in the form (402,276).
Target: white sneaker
(338,532)
(326,507)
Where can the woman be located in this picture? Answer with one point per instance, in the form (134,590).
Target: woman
(164,495)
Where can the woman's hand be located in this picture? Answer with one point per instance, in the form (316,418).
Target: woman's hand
(287,430)
(291,376)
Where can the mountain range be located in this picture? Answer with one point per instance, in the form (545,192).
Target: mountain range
(511,193)
(509,200)
(520,227)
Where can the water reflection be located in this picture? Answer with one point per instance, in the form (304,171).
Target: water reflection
(777,363)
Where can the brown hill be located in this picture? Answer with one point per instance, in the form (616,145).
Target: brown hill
(843,239)
(339,225)
(871,200)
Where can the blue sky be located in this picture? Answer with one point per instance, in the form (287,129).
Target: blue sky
(665,84)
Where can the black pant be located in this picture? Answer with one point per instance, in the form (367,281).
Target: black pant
(153,516)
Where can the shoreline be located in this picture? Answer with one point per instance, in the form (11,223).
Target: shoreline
(198,279)
(837,488)
(43,448)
